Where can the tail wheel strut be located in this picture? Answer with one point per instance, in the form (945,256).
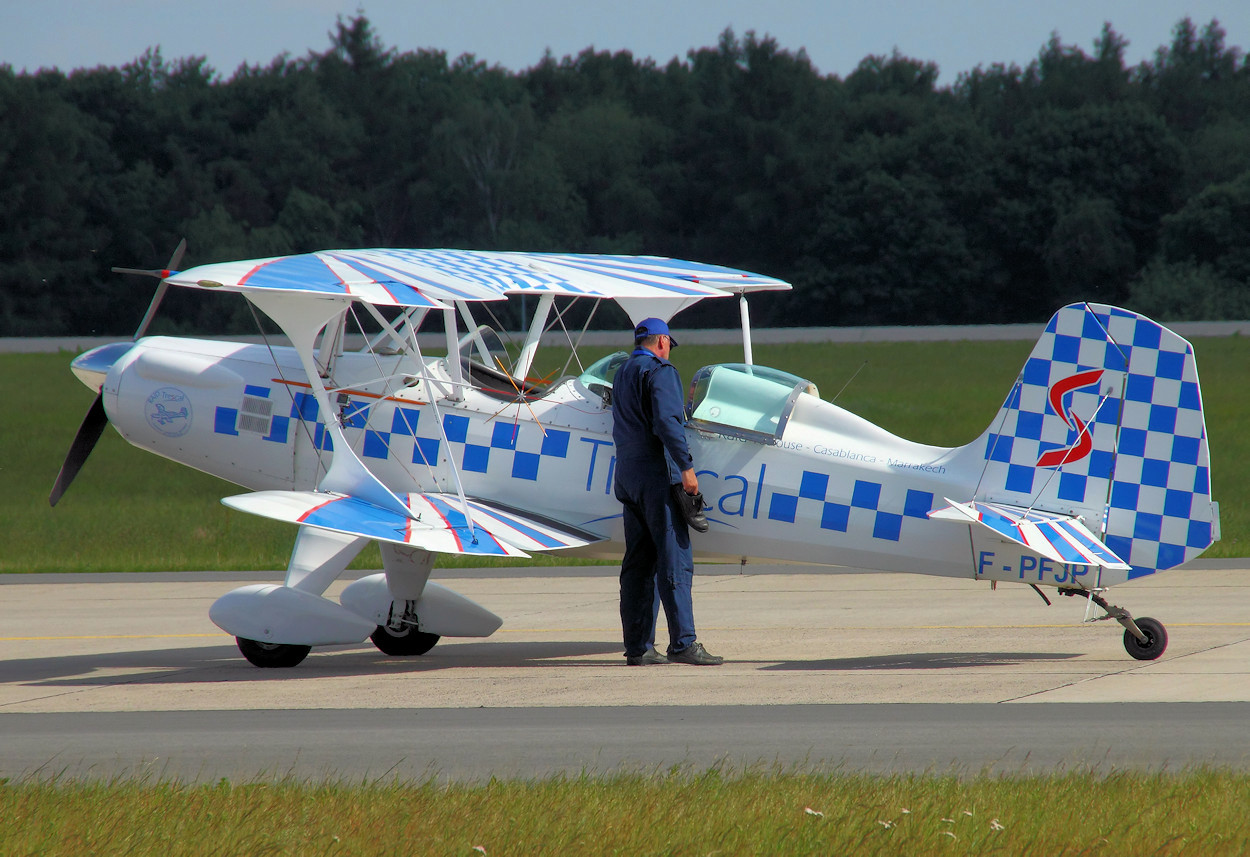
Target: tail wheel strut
(1145,639)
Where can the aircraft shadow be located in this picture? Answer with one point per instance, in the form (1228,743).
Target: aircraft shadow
(215,664)
(923,661)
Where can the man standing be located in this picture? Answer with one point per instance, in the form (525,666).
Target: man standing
(651,457)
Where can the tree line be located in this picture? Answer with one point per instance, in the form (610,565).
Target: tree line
(884,198)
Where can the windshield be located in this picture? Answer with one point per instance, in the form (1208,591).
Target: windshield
(751,402)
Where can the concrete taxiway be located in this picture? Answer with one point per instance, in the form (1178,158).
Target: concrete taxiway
(107,675)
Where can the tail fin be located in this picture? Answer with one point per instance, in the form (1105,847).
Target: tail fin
(1105,422)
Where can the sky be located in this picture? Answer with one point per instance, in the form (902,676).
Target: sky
(958,35)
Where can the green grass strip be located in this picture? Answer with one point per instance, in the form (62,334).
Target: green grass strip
(1196,812)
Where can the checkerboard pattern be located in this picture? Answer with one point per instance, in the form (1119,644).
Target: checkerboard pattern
(517,450)
(835,514)
(1147,464)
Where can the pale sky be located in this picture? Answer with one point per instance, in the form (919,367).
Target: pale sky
(956,34)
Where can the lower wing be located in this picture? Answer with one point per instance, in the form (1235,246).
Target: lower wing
(439,522)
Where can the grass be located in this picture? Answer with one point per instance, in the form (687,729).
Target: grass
(132,511)
(1199,812)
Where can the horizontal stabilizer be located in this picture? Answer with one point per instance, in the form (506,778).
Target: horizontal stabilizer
(1062,538)
(438,524)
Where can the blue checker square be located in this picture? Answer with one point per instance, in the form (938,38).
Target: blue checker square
(1170,556)
(404,421)
(1020,478)
(304,407)
(503,436)
(1093,326)
(1140,388)
(1067,349)
(1185,450)
(1121,546)
(456,428)
(1132,441)
(425,450)
(224,420)
(1162,419)
(253,390)
(355,414)
(1037,372)
(887,526)
(1199,534)
(556,443)
(866,494)
(1171,365)
(813,485)
(1000,448)
(1124,495)
(1100,461)
(1013,398)
(1147,336)
(1072,487)
(783,507)
(1148,526)
(835,516)
(525,466)
(278,431)
(322,439)
(1190,398)
(1177,504)
(1117,358)
(917,504)
(1155,472)
(1202,481)
(1029,425)
(476,458)
(377,444)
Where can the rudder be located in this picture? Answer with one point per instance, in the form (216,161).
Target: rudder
(1105,421)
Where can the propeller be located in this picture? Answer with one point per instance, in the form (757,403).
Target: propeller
(96,419)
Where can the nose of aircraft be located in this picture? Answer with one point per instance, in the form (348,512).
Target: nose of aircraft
(92,366)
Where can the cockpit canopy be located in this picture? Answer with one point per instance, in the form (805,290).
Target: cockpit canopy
(744,401)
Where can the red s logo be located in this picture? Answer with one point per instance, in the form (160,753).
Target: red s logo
(1084,443)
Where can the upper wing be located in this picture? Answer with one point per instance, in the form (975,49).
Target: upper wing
(434,278)
(1062,538)
(438,525)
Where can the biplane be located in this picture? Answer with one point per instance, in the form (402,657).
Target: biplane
(1094,472)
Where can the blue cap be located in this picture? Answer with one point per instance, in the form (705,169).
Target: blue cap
(653,327)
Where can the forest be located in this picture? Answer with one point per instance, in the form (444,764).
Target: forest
(883,197)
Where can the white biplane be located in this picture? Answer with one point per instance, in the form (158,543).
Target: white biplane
(1094,472)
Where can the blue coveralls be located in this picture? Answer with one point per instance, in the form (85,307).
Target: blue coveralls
(651,453)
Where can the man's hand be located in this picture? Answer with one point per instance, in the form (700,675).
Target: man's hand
(689,482)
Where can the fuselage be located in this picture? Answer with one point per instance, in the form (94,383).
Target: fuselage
(829,488)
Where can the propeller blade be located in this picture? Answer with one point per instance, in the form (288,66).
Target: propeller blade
(88,434)
(160,273)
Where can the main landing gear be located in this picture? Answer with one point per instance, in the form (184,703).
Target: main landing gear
(399,636)
(1144,639)
(272,655)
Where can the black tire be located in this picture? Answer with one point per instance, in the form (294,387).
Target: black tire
(1156,640)
(272,655)
(402,643)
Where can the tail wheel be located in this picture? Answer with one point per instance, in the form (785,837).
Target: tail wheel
(1156,640)
(408,641)
(272,655)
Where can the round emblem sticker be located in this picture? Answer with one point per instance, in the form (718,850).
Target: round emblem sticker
(169,411)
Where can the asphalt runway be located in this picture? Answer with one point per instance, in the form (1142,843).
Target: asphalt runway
(105,676)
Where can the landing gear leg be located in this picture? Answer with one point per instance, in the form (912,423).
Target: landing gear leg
(1145,638)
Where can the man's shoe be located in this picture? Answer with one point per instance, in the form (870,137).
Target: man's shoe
(650,656)
(697,655)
